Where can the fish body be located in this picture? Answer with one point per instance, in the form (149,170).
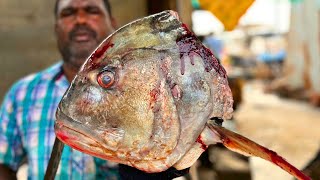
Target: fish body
(145,96)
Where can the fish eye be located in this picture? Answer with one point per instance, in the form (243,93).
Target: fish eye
(105,79)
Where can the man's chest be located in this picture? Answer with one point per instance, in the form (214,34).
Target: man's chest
(37,128)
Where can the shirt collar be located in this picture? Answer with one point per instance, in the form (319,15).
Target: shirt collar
(55,73)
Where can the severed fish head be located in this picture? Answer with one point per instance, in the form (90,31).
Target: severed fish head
(145,96)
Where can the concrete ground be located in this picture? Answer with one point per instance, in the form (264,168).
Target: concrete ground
(288,127)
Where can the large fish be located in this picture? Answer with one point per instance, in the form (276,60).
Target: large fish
(152,96)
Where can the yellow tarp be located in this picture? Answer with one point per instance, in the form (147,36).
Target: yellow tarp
(227,11)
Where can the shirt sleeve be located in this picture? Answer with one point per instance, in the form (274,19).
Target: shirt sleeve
(11,151)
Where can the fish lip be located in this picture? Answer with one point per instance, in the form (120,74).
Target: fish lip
(63,120)
(80,142)
(59,126)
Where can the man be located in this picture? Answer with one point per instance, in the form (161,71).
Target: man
(28,112)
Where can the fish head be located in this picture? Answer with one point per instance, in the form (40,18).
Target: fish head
(144,95)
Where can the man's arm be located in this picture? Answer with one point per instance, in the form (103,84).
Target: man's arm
(7,173)
(11,152)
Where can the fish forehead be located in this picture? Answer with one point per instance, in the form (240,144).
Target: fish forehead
(158,32)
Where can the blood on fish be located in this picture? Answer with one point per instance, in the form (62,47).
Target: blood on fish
(192,58)
(154,93)
(183,65)
(189,45)
(200,141)
(176,92)
(153,98)
(64,137)
(98,54)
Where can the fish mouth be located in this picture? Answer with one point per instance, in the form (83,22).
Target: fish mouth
(100,143)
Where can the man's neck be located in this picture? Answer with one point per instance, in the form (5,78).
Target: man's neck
(70,71)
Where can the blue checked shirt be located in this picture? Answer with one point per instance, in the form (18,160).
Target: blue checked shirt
(27,118)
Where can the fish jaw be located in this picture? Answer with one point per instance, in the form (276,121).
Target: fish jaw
(89,144)
(80,138)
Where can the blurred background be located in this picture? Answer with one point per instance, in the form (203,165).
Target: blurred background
(270,49)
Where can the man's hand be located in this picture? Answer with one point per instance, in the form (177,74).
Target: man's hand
(7,173)
(130,173)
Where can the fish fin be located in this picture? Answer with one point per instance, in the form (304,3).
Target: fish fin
(245,146)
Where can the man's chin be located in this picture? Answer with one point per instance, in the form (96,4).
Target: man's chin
(82,50)
(76,60)
(78,51)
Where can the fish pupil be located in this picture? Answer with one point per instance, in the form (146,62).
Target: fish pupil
(106,79)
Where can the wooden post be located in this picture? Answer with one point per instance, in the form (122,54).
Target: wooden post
(184,8)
